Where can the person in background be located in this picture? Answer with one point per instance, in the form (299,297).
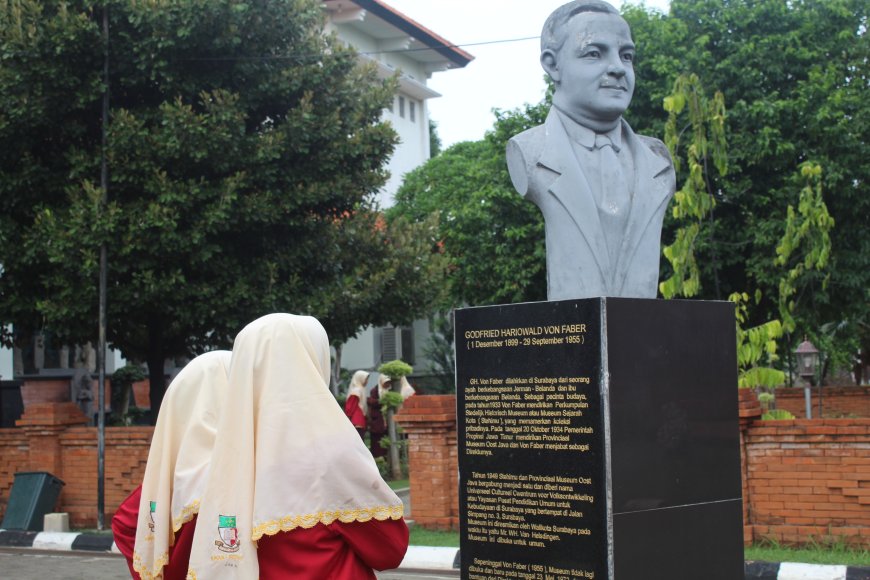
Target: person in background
(293,493)
(154,527)
(377,421)
(355,405)
(407,390)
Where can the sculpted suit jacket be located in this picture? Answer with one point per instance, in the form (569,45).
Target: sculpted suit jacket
(543,169)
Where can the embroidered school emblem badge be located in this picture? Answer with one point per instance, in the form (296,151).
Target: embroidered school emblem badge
(153,508)
(229,534)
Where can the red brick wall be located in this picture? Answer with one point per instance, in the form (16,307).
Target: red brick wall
(803,481)
(126,456)
(429,422)
(57,390)
(837,402)
(13,458)
(809,480)
(50,437)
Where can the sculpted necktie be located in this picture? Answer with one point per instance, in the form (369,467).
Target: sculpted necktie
(614,199)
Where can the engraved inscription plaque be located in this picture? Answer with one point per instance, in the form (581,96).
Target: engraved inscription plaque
(531,441)
(598,438)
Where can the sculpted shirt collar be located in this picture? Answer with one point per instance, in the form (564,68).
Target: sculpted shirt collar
(586,136)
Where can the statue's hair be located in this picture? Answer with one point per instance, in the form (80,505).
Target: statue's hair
(553,35)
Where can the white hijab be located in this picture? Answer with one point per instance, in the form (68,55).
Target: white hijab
(178,460)
(285,454)
(358,387)
(407,390)
(382,384)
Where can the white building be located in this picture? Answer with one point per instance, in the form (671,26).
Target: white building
(396,43)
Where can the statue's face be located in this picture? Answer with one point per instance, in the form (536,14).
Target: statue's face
(594,69)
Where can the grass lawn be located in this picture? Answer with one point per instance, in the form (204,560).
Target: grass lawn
(398,484)
(421,537)
(816,554)
(836,554)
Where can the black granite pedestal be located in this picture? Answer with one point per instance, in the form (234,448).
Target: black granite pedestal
(599,439)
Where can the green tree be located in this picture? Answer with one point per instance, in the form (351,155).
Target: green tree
(441,353)
(695,201)
(805,244)
(388,273)
(789,101)
(493,239)
(434,139)
(240,135)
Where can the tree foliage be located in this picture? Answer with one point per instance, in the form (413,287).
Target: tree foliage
(806,235)
(696,200)
(792,75)
(441,353)
(493,240)
(241,140)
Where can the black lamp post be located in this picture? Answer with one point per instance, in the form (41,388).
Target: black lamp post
(807,356)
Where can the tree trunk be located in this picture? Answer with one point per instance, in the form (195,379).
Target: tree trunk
(156,374)
(395,463)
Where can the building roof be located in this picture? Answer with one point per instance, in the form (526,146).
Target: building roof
(394,29)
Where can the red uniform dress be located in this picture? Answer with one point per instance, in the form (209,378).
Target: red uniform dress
(354,413)
(334,552)
(124,529)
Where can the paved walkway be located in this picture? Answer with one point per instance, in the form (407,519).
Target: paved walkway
(419,558)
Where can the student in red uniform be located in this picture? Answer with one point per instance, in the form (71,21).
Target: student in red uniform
(154,527)
(355,405)
(376,420)
(293,493)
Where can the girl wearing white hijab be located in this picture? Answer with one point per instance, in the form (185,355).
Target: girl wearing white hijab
(355,406)
(407,390)
(293,492)
(377,423)
(161,513)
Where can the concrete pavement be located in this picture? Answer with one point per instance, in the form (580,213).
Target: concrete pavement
(35,564)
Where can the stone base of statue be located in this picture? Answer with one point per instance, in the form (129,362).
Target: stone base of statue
(599,438)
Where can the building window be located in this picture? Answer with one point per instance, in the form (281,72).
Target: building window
(412,111)
(402,107)
(395,343)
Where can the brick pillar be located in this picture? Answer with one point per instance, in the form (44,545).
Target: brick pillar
(43,424)
(429,421)
(749,410)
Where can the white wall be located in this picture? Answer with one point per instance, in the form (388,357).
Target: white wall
(6,364)
(359,353)
(413,148)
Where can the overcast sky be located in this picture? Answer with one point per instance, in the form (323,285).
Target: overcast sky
(503,75)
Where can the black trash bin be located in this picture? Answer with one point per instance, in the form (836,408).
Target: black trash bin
(34,494)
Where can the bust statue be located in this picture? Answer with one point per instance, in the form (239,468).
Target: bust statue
(602,189)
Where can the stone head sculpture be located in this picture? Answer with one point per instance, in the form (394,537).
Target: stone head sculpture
(602,189)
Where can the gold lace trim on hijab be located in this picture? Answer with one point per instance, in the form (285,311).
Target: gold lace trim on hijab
(187,513)
(287,523)
(156,572)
